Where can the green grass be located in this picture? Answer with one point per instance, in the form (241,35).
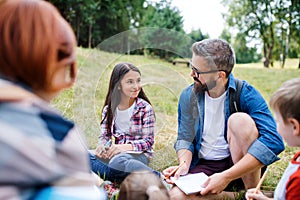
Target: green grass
(163,83)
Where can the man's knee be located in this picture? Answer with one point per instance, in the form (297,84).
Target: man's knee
(241,125)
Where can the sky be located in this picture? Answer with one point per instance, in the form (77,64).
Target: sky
(203,14)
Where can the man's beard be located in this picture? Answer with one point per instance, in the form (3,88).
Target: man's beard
(202,87)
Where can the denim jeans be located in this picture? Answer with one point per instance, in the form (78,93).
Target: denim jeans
(104,171)
(129,162)
(120,166)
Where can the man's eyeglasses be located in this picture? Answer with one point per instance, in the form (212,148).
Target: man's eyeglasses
(195,70)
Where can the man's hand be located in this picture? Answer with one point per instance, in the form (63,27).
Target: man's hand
(251,194)
(215,184)
(167,173)
(179,170)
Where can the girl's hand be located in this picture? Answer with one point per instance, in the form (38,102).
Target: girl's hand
(101,151)
(115,149)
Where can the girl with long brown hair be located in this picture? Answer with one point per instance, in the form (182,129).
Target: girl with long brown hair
(128,119)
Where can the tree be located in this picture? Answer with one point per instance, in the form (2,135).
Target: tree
(226,35)
(295,30)
(261,19)
(243,53)
(162,17)
(197,35)
(288,16)
(95,20)
(189,39)
(72,11)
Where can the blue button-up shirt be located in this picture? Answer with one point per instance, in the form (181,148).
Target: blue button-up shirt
(266,148)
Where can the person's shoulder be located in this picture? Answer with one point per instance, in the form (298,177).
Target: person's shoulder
(143,106)
(142,103)
(249,88)
(249,95)
(8,128)
(188,89)
(15,111)
(296,157)
(186,92)
(246,87)
(105,108)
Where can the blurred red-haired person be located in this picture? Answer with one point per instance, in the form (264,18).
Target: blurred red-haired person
(39,147)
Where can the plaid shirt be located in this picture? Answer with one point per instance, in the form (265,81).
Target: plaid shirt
(141,130)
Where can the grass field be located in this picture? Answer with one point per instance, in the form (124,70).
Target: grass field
(163,83)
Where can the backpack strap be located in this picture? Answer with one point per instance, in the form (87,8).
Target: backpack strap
(234,97)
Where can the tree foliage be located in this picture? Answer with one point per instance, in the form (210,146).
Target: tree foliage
(243,53)
(275,23)
(197,35)
(226,35)
(162,16)
(96,20)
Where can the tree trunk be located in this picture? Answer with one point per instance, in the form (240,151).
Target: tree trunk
(90,36)
(287,42)
(272,42)
(266,60)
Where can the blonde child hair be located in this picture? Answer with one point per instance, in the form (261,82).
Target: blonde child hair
(143,185)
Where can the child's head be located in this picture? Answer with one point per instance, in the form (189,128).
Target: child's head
(285,103)
(37,46)
(143,185)
(120,83)
(118,86)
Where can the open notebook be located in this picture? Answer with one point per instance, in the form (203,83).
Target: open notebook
(190,183)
